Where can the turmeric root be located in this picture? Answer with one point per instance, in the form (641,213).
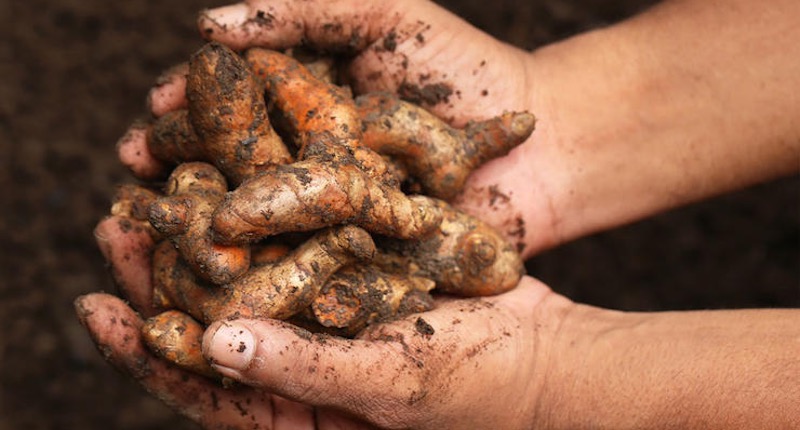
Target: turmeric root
(175,286)
(177,338)
(268,254)
(309,195)
(440,157)
(330,185)
(226,122)
(357,296)
(172,139)
(277,290)
(184,215)
(323,67)
(322,117)
(464,256)
(133,202)
(285,288)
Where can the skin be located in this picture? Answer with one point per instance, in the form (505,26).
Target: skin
(411,361)
(673,106)
(430,370)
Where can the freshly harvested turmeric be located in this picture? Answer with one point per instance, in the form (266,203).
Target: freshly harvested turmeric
(175,285)
(322,117)
(272,290)
(226,122)
(464,256)
(172,139)
(184,216)
(440,157)
(309,195)
(360,295)
(133,202)
(283,289)
(177,338)
(268,253)
(344,184)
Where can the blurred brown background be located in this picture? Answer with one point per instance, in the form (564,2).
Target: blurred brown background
(74,75)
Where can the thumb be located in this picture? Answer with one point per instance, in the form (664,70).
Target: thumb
(371,379)
(283,24)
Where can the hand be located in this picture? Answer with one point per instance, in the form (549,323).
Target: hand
(476,362)
(527,358)
(414,48)
(115,328)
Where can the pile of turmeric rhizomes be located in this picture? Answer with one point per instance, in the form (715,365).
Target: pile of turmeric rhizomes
(291,199)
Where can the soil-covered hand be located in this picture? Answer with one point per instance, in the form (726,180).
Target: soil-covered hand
(412,48)
(476,363)
(473,362)
(116,327)
(522,359)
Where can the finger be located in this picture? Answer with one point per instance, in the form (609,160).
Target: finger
(288,414)
(332,420)
(134,153)
(291,415)
(336,25)
(115,329)
(127,247)
(364,378)
(403,47)
(169,93)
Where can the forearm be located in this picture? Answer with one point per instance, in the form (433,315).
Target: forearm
(688,100)
(708,369)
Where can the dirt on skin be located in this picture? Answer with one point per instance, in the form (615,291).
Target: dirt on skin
(75,75)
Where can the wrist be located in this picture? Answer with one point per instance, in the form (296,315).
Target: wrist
(561,184)
(699,369)
(576,382)
(564,364)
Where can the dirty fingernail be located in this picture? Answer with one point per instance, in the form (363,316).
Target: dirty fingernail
(231,345)
(222,17)
(102,241)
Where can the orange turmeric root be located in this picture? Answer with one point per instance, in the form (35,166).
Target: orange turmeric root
(172,139)
(277,290)
(177,338)
(287,287)
(464,256)
(175,286)
(133,202)
(226,122)
(322,117)
(440,157)
(309,195)
(323,67)
(184,215)
(337,181)
(268,253)
(357,296)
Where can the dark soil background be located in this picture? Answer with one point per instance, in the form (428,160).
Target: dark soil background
(74,75)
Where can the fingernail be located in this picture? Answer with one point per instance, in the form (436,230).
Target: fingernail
(102,240)
(231,346)
(226,16)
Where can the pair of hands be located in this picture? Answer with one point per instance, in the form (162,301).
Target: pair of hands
(628,128)
(474,363)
